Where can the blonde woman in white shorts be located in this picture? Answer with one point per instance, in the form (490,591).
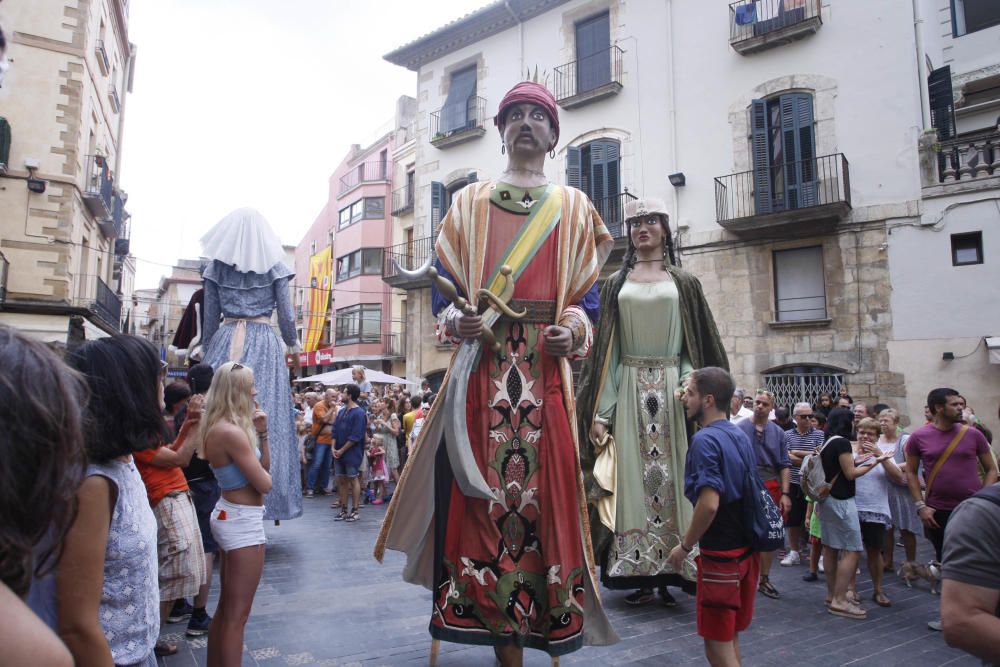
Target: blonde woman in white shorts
(234,441)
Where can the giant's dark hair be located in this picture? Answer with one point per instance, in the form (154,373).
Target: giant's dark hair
(123,413)
(628,261)
(840,422)
(41,456)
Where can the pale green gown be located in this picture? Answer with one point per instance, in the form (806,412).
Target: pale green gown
(648,424)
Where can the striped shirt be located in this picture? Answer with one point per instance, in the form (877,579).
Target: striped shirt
(808,442)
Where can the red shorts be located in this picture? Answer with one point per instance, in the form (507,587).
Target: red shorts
(773,487)
(726,593)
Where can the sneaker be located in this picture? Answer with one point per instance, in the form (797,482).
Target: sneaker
(934,625)
(810,576)
(181,611)
(791,559)
(309,493)
(198,625)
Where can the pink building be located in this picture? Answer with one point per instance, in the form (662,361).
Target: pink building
(360,326)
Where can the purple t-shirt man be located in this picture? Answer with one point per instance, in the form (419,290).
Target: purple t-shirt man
(959,476)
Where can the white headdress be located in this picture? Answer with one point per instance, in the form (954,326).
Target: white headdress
(244,239)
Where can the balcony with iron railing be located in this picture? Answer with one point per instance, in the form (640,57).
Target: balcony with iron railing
(814,191)
(588,79)
(107,306)
(98,189)
(612,211)
(457,123)
(374,171)
(394,345)
(408,256)
(120,218)
(756,25)
(402,200)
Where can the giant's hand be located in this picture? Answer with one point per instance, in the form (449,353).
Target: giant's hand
(469,326)
(597,432)
(558,340)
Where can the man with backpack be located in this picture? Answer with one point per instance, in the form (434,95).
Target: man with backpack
(720,459)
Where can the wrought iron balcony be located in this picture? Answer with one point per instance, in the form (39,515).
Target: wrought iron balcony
(612,210)
(99,187)
(102,57)
(409,256)
(107,306)
(402,200)
(367,172)
(458,123)
(806,191)
(969,159)
(756,25)
(588,79)
(394,345)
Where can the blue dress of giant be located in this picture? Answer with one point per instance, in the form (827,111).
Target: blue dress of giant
(247,300)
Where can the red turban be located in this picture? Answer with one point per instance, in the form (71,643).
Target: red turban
(529,92)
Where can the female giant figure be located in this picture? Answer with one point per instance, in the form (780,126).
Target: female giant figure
(655,328)
(245,283)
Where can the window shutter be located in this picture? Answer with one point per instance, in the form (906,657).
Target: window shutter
(438,194)
(799,150)
(761,161)
(455,115)
(942,102)
(5,142)
(593,59)
(573,167)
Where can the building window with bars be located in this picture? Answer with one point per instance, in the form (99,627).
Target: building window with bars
(799,285)
(805,383)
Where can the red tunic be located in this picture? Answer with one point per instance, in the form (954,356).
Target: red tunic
(513,571)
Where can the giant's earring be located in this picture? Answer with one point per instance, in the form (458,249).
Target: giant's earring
(552,154)
(503,149)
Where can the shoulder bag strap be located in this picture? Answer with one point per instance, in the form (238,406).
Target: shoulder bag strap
(944,457)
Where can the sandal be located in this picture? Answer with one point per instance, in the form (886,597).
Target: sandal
(164,648)
(335,504)
(640,597)
(853,598)
(765,587)
(341,516)
(353,516)
(881,600)
(851,611)
(667,599)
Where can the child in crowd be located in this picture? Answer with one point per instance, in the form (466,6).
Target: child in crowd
(815,543)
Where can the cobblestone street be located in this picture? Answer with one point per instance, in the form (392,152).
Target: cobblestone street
(325,601)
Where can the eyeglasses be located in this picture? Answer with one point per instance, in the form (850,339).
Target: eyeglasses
(238,366)
(805,416)
(636,223)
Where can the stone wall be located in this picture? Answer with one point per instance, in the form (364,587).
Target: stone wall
(737,277)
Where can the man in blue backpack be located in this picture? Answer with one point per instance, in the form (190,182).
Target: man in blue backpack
(719,459)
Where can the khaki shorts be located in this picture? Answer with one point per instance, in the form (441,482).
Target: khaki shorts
(178,547)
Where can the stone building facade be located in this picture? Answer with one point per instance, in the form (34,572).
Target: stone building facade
(63,224)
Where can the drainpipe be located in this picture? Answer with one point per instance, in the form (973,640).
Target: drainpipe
(672,119)
(520,32)
(918,34)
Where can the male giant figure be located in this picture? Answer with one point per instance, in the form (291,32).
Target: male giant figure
(490,509)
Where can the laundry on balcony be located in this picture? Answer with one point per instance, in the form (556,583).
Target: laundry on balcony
(746,14)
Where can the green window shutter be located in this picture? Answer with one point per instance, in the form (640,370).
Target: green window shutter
(4,144)
(438,197)
(799,150)
(761,158)
(574,168)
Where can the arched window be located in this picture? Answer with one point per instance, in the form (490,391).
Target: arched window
(595,168)
(802,382)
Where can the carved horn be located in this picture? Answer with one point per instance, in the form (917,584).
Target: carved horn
(417,274)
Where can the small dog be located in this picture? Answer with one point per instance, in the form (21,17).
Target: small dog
(911,571)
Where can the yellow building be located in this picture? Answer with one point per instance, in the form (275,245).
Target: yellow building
(63,225)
